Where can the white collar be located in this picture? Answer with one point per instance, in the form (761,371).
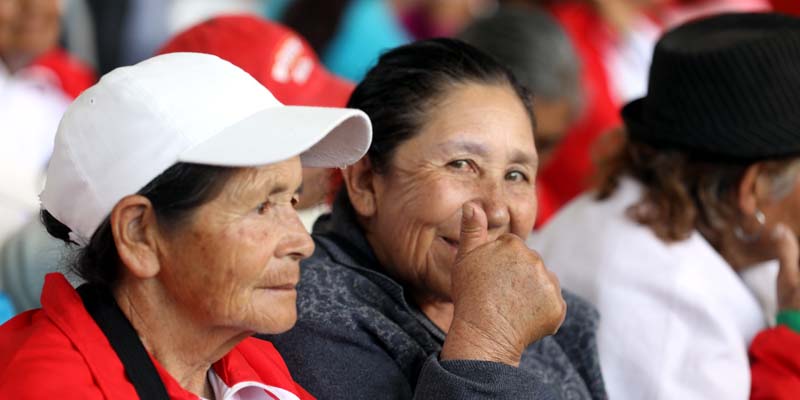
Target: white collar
(246,390)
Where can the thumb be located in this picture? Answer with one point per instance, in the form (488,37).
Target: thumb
(474,228)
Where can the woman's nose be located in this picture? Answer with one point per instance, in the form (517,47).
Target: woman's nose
(296,243)
(495,205)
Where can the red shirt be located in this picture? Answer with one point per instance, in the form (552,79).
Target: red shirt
(58,352)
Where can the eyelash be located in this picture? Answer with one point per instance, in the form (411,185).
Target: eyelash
(263,206)
(461,164)
(524,176)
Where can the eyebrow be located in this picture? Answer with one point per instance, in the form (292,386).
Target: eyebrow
(480,149)
(454,146)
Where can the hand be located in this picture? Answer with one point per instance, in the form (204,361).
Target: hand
(504,297)
(788,281)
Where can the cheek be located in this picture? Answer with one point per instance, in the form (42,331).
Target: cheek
(523,207)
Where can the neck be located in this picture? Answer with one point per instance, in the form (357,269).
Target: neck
(182,346)
(15,62)
(618,14)
(440,312)
(739,254)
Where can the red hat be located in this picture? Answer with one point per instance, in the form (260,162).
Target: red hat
(275,55)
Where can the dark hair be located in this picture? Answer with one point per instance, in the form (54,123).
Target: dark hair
(175,194)
(683,192)
(401,91)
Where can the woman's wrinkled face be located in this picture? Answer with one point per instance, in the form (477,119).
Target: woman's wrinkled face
(235,263)
(476,145)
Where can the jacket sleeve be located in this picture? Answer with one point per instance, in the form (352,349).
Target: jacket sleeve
(470,379)
(332,366)
(775,364)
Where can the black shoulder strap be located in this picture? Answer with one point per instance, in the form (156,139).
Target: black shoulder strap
(123,338)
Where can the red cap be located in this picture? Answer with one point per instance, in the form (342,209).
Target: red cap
(275,55)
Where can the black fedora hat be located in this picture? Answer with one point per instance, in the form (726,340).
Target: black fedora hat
(724,87)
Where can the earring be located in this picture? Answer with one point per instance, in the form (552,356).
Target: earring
(751,237)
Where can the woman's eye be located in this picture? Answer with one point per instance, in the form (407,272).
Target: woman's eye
(458,164)
(262,208)
(516,176)
(295,200)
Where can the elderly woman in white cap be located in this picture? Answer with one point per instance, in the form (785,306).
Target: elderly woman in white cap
(178,177)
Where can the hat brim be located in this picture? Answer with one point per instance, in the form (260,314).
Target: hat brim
(323,137)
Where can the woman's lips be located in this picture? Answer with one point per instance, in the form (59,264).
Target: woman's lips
(288,286)
(450,242)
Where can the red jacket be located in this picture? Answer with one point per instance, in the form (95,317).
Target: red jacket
(58,352)
(775,364)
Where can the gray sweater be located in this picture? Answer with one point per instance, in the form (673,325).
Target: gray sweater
(357,336)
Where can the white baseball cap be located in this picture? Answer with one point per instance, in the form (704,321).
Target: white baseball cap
(138,121)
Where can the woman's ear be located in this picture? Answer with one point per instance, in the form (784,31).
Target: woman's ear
(134,227)
(751,190)
(360,185)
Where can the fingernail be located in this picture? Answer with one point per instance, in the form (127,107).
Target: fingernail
(467,211)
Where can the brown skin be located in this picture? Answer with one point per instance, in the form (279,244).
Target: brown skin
(553,118)
(36,31)
(504,297)
(194,291)
(316,186)
(778,239)
(9,11)
(476,148)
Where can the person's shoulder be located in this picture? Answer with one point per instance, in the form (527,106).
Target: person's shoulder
(38,361)
(74,75)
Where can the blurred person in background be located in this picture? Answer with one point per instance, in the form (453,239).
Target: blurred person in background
(696,197)
(37,81)
(614,40)
(349,35)
(539,53)
(285,64)
(420,285)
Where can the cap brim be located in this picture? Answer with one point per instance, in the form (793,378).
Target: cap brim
(323,137)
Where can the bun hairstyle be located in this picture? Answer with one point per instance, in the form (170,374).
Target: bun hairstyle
(175,195)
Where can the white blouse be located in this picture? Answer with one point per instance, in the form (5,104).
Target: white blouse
(676,319)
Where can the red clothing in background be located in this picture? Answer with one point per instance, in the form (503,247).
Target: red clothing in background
(58,352)
(787,6)
(70,74)
(572,167)
(775,364)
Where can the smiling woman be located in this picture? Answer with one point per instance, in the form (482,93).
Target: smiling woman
(420,280)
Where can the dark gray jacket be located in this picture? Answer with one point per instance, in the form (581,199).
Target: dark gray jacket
(357,337)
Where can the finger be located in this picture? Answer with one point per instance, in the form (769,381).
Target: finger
(788,257)
(474,228)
